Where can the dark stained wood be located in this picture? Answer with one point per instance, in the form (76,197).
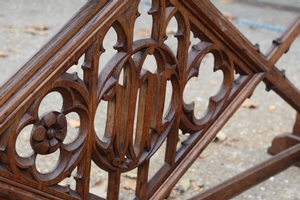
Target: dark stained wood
(285,141)
(136,125)
(296,130)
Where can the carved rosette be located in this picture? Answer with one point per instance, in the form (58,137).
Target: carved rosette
(49,133)
(50,130)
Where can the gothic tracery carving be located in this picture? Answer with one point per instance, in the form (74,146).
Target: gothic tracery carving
(137,119)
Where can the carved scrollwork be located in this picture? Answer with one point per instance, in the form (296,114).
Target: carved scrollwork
(132,89)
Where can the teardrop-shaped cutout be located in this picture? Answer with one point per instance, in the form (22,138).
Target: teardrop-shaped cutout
(171,41)
(108,50)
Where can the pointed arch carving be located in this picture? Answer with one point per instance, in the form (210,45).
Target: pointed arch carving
(137,119)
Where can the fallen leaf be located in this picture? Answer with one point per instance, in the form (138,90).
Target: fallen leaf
(13,30)
(129,185)
(39,27)
(213,82)
(34,32)
(130,175)
(250,104)
(3,54)
(36,29)
(74,123)
(226,1)
(14,50)
(203,155)
(272,107)
(144,32)
(195,186)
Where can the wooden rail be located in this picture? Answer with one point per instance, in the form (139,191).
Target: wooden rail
(136,124)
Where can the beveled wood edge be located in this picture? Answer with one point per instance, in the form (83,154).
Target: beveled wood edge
(247,52)
(17,91)
(188,160)
(14,99)
(227,33)
(14,190)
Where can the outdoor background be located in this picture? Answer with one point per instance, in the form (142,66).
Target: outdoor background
(25,25)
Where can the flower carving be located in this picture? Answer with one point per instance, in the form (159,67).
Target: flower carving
(49,133)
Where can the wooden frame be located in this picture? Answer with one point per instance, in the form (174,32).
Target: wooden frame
(133,93)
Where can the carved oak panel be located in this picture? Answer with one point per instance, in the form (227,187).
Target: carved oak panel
(138,120)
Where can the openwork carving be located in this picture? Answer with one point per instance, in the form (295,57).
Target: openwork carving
(129,143)
(138,120)
(216,102)
(50,130)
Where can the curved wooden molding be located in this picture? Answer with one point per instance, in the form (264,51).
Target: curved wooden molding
(137,119)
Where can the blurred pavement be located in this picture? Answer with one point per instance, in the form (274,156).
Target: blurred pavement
(249,132)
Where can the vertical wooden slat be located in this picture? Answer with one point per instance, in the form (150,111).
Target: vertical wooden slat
(113,187)
(142,180)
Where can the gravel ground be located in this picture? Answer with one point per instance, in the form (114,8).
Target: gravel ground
(249,132)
